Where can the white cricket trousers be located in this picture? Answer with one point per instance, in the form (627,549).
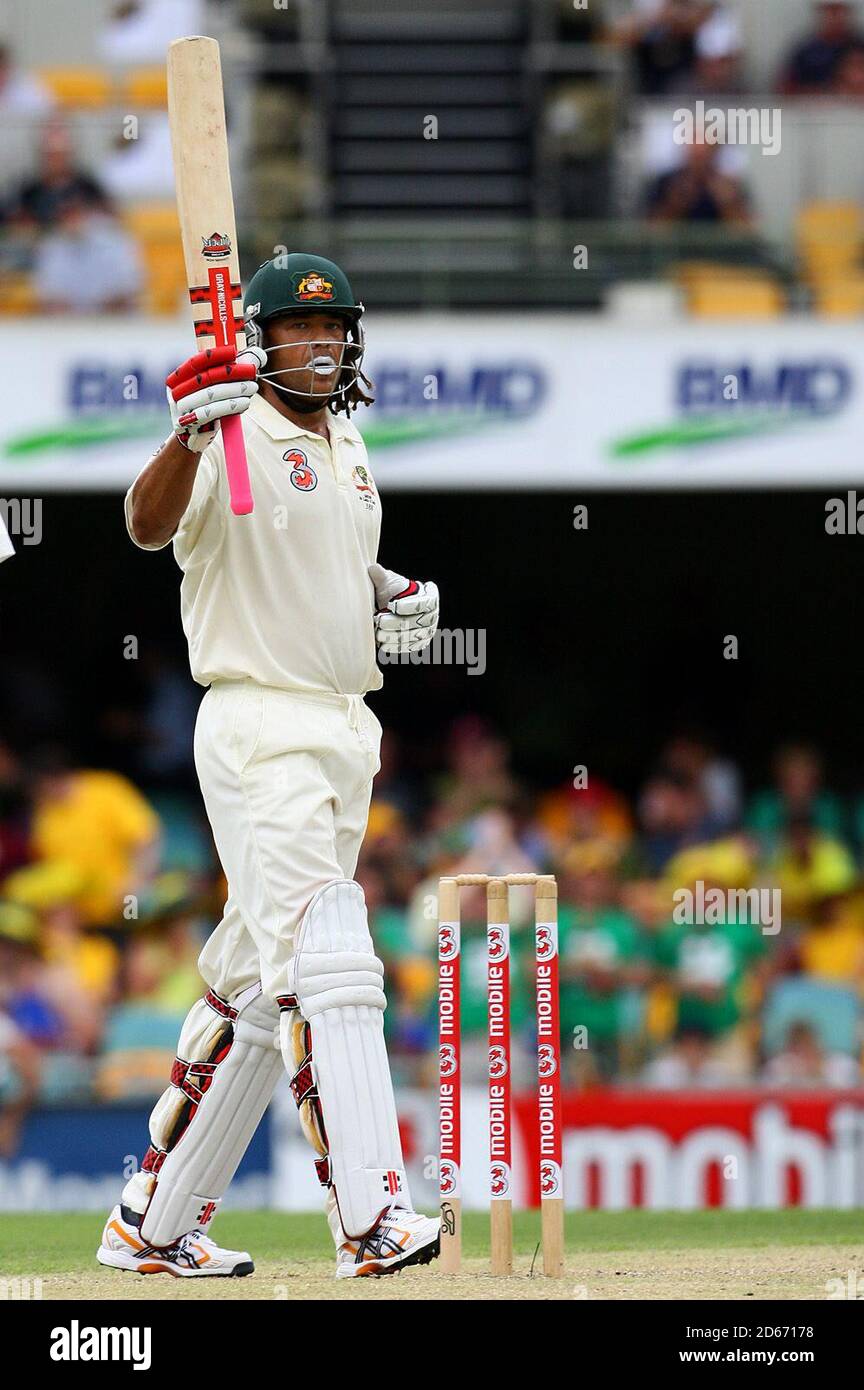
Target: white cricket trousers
(286,779)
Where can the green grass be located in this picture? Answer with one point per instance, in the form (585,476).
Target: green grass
(64,1243)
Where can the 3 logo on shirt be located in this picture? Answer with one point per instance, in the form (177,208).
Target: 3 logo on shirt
(303,475)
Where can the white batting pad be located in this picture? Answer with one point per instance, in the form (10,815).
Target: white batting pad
(338,983)
(196,1171)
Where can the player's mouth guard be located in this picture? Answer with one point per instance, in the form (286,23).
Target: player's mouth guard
(333,1013)
(321,364)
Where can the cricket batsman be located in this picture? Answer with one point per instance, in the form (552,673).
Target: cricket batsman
(282,610)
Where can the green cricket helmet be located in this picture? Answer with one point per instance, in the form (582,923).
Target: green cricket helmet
(296,283)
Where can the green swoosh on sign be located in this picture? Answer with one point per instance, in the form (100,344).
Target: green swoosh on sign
(706,430)
(381,434)
(79,433)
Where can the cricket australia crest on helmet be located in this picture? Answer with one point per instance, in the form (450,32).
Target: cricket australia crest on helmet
(448,1064)
(546,940)
(499,1180)
(547,1063)
(497,1062)
(498,943)
(310,286)
(216,246)
(448,941)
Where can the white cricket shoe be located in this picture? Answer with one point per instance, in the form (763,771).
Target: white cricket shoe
(193,1256)
(400,1238)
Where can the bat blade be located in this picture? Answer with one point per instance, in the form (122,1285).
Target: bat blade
(205,207)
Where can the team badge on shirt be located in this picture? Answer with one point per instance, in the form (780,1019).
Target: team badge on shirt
(303,475)
(363,484)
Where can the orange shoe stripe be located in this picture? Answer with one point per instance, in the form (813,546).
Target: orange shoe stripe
(124,1235)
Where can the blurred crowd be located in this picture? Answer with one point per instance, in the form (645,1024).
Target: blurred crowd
(108,891)
(85,202)
(84,147)
(696,47)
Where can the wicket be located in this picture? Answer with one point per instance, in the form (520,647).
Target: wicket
(500,1099)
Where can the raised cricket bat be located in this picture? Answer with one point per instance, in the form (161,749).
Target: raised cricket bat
(199,141)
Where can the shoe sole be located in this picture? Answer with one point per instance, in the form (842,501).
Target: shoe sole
(112,1260)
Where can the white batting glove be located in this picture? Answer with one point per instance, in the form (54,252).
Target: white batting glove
(208,386)
(407,615)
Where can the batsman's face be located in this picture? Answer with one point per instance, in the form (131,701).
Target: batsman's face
(306,351)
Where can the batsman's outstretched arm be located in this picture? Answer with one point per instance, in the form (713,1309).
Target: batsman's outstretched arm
(201,392)
(161,494)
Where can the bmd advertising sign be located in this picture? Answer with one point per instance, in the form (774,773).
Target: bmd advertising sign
(524,401)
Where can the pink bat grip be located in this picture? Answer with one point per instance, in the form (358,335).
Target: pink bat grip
(236,466)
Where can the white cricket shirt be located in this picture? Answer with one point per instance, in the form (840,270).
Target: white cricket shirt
(282,597)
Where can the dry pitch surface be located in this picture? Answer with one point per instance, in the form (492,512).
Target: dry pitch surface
(610,1255)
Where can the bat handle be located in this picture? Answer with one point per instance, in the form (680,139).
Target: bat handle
(236,466)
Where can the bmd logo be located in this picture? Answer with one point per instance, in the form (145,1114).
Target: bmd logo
(719,401)
(813,386)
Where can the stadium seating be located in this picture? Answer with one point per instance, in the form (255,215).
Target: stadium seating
(78,88)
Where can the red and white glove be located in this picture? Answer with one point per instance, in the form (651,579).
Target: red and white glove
(407,615)
(217,382)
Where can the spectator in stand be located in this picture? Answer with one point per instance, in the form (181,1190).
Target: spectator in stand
(98,824)
(805,1063)
(689,1064)
(719,54)
(26,992)
(798,793)
(478,775)
(592,812)
(140,169)
(87,264)
(23,102)
(21,94)
(672,816)
(830,946)
(715,971)
(698,190)
(161,963)
(661,35)
(39,201)
(811,68)
(20,1058)
(80,968)
(691,756)
(808,866)
(603,963)
(849,77)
